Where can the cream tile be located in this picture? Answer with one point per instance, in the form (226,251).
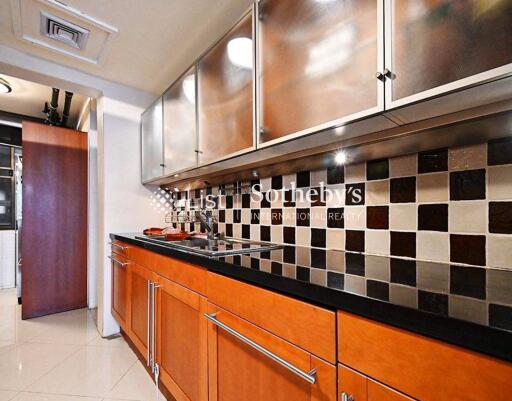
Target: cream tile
(265,217)
(265,265)
(469,309)
(355,217)
(403,295)
(499,286)
(403,166)
(289,217)
(303,256)
(500,182)
(255,232)
(318,217)
(317,177)
(288,180)
(136,384)
(229,216)
(403,216)
(432,246)
(468,217)
(377,242)
(237,230)
(276,234)
(22,365)
(265,184)
(7,395)
(246,216)
(318,277)
(377,268)
(335,239)
(51,397)
(355,284)
(433,276)
(289,270)
(355,173)
(432,187)
(467,157)
(92,372)
(335,195)
(303,236)
(499,251)
(377,192)
(335,261)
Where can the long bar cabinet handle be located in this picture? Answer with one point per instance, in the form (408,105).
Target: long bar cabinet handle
(310,376)
(122,264)
(148,338)
(123,248)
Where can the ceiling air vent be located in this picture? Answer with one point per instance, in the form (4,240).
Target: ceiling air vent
(64,31)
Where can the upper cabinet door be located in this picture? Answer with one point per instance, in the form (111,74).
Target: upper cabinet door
(437,46)
(225,95)
(152,142)
(180,133)
(318,61)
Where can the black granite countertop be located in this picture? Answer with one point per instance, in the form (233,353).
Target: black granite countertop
(463,305)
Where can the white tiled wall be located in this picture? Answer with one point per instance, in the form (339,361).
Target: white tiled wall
(7,259)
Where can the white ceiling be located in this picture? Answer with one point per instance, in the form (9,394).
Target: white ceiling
(27,98)
(156,39)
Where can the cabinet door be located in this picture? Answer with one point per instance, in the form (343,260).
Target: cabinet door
(152,142)
(139,308)
(180,134)
(318,61)
(181,349)
(120,290)
(225,95)
(238,371)
(434,47)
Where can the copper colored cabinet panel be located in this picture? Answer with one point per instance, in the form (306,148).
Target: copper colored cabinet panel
(121,290)
(433,43)
(240,372)
(180,134)
(181,349)
(225,95)
(352,385)
(318,61)
(139,307)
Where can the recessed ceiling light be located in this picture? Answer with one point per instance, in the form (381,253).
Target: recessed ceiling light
(340,158)
(5,87)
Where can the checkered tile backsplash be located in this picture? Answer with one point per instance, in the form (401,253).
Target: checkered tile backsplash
(447,205)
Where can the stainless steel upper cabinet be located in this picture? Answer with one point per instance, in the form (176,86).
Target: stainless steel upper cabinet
(318,63)
(225,95)
(152,142)
(437,46)
(180,133)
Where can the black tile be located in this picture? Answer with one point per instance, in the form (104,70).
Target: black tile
(336,175)
(432,161)
(354,241)
(335,218)
(265,233)
(255,263)
(277,182)
(289,254)
(209,190)
(433,217)
(197,193)
(276,268)
(237,216)
(377,217)
(222,216)
(229,201)
(318,258)
(355,194)
(355,264)
(246,201)
(402,190)
(237,260)
(500,217)
(335,280)
(317,196)
(303,273)
(318,237)
(265,203)
(303,179)
(377,289)
(255,216)
(468,281)
(500,316)
(229,230)
(377,169)
(191,227)
(302,217)
(265,255)
(276,216)
(403,244)
(403,272)
(467,185)
(246,231)
(288,200)
(499,151)
(433,302)
(255,184)
(289,235)
(469,249)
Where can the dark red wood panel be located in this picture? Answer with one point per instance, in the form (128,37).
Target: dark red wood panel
(54,231)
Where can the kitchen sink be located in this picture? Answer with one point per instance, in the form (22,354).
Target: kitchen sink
(214,247)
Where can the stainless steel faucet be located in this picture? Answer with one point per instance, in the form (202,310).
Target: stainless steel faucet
(207,219)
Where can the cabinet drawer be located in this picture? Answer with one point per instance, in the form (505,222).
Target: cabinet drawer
(307,326)
(188,275)
(418,366)
(119,247)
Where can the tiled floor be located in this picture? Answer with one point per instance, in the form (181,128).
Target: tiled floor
(62,357)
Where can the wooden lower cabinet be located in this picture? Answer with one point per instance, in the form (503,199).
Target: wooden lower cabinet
(181,341)
(120,290)
(239,372)
(139,307)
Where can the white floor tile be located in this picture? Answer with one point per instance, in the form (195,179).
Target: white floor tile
(7,395)
(50,397)
(136,384)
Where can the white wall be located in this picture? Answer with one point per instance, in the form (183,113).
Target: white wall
(122,203)
(7,259)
